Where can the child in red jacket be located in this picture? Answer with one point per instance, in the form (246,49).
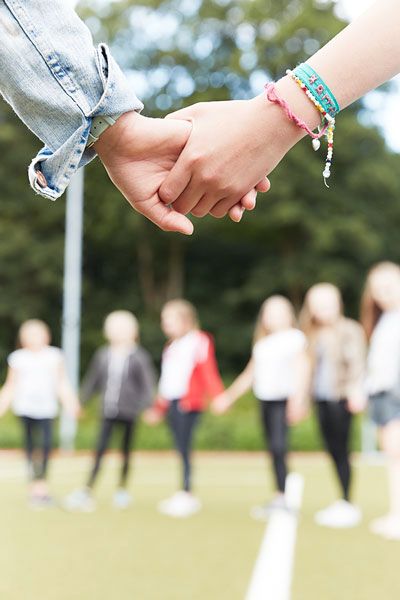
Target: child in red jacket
(189,380)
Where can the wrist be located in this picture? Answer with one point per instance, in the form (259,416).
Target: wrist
(300,105)
(107,143)
(286,133)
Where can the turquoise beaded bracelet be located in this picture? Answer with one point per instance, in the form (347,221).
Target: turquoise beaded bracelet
(319,89)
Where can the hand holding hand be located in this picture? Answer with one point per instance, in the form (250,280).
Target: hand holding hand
(74,410)
(138,154)
(296,411)
(233,145)
(151,417)
(357,403)
(221,404)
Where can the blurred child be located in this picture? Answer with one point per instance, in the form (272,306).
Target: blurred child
(36,379)
(273,373)
(337,350)
(189,377)
(123,373)
(381,319)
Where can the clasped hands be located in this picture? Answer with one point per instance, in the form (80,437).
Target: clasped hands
(211,158)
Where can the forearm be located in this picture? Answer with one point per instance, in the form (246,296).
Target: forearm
(364,55)
(68,399)
(241,385)
(56,81)
(302,377)
(359,59)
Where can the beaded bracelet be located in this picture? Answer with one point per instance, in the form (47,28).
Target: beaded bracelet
(326,128)
(328,113)
(318,88)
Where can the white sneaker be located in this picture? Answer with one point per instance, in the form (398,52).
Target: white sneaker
(122,499)
(387,527)
(339,515)
(180,505)
(80,501)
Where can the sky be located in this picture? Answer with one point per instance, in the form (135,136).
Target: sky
(383,108)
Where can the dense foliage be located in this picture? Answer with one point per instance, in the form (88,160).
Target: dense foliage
(178,52)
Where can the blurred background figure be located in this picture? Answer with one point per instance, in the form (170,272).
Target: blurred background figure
(36,379)
(123,372)
(381,320)
(189,378)
(337,351)
(274,374)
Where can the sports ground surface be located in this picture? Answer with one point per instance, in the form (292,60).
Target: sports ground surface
(141,555)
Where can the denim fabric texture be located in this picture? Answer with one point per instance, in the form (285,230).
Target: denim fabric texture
(57,81)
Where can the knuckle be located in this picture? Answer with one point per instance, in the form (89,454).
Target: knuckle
(195,159)
(167,195)
(211,179)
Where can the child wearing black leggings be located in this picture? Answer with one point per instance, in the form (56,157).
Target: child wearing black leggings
(36,381)
(123,373)
(273,373)
(337,353)
(189,379)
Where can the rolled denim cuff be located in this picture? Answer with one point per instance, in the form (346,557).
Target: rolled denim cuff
(52,169)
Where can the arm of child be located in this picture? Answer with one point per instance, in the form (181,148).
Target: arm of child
(66,394)
(298,402)
(362,57)
(152,416)
(155,414)
(7,392)
(239,387)
(91,381)
(147,374)
(356,347)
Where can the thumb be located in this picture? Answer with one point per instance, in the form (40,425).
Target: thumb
(164,217)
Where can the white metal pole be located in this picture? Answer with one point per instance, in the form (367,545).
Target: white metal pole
(71,320)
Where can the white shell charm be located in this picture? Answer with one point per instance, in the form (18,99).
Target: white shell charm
(316,144)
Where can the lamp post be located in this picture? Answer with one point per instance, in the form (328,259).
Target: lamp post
(72,292)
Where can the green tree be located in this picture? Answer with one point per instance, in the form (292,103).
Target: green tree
(177,52)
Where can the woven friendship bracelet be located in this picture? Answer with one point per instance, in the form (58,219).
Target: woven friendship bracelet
(327,109)
(318,88)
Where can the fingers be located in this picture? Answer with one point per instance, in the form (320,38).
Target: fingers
(177,181)
(264,185)
(164,217)
(224,206)
(206,204)
(235,210)
(249,200)
(236,213)
(189,199)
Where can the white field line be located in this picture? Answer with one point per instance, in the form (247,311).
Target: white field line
(272,575)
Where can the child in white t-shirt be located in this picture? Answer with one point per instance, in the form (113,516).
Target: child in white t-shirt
(36,381)
(274,374)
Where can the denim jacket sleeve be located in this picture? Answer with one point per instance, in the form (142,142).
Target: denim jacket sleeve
(57,81)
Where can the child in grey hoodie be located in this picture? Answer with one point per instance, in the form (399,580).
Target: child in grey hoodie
(123,373)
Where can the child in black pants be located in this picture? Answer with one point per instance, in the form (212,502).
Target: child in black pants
(123,373)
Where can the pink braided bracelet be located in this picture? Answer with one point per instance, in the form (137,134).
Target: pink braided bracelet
(327,129)
(272,96)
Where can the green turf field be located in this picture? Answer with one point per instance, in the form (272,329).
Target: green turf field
(141,555)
